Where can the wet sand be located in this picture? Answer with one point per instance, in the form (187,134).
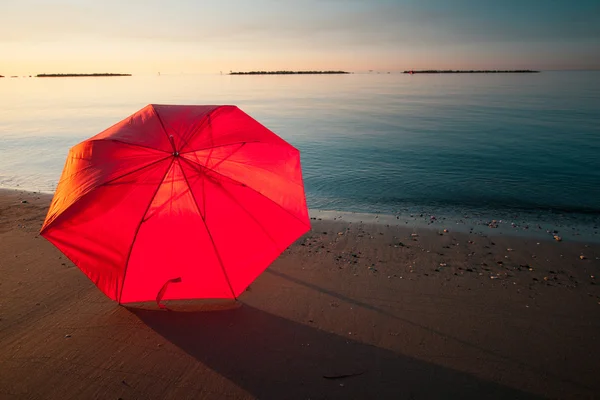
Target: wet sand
(351,310)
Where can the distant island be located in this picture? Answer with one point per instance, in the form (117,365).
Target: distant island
(492,71)
(288,72)
(76,75)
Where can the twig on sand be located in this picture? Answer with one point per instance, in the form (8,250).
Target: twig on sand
(343,375)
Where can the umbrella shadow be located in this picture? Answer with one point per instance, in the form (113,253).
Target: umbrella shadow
(494,354)
(273,358)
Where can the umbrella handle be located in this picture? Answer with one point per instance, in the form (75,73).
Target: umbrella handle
(163,289)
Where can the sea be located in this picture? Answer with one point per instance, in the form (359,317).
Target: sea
(519,152)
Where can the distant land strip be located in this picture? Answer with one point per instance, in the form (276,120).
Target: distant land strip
(490,71)
(287,72)
(76,75)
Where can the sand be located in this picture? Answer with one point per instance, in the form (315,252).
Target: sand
(350,310)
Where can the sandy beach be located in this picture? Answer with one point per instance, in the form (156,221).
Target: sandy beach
(351,310)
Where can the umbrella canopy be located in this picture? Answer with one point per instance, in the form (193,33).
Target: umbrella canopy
(178,202)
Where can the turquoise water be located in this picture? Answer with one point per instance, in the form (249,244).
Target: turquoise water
(494,146)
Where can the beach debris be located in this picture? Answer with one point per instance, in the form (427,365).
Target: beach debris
(582,257)
(557,238)
(67,336)
(493,224)
(24,202)
(442,264)
(509,249)
(446,231)
(341,376)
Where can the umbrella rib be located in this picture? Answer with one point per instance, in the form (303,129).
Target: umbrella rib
(104,184)
(221,145)
(120,176)
(242,144)
(128,144)
(249,187)
(163,127)
(228,194)
(205,121)
(208,231)
(137,230)
(132,172)
(173,129)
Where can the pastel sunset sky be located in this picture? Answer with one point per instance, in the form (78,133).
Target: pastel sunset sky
(193,36)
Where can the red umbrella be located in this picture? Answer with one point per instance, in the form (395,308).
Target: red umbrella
(178,202)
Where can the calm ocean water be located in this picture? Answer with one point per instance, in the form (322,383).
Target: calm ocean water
(494,146)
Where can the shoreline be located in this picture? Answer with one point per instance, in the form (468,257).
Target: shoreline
(515,227)
(540,229)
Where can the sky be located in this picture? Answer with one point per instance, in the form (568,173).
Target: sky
(197,36)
